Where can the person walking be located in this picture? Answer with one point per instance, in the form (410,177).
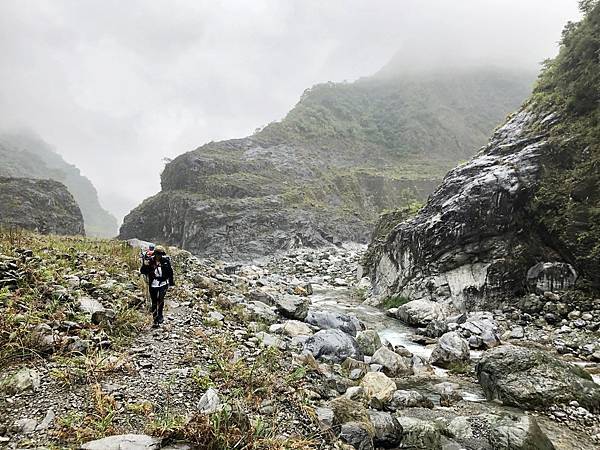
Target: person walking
(160,276)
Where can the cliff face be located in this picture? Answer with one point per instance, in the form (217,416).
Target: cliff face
(43,206)
(343,155)
(25,155)
(523,214)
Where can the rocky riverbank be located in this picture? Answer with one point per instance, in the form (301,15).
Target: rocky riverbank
(279,354)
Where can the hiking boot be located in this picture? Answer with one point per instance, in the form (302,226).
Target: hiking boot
(155,325)
(161,320)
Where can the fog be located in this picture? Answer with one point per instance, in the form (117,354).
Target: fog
(117,86)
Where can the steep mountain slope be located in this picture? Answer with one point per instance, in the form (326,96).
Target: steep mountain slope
(43,206)
(25,155)
(322,175)
(524,214)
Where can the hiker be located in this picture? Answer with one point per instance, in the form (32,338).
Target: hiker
(160,277)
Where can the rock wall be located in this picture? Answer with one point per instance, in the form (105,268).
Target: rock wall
(44,206)
(343,155)
(522,215)
(474,240)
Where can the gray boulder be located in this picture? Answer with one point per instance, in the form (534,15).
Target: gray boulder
(393,364)
(408,399)
(260,312)
(419,434)
(419,313)
(534,379)
(368,341)
(358,435)
(387,429)
(332,346)
(124,442)
(451,349)
(521,433)
(326,320)
(292,306)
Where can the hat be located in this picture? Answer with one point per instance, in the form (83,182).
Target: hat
(159,249)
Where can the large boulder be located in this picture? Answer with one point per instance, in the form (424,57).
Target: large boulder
(368,341)
(260,312)
(419,313)
(332,346)
(378,386)
(408,399)
(419,434)
(521,433)
(393,364)
(534,379)
(326,320)
(124,442)
(451,349)
(292,306)
(388,431)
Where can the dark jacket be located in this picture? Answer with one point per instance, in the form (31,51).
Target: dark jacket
(167,271)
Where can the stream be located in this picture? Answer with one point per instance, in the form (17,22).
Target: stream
(395,332)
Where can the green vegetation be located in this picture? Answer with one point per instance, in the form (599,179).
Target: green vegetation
(394,301)
(42,294)
(438,116)
(567,202)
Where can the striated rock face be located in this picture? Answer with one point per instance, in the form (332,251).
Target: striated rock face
(323,175)
(474,239)
(44,206)
(522,215)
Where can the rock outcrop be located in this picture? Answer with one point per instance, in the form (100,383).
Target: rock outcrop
(321,176)
(44,206)
(28,156)
(534,379)
(515,218)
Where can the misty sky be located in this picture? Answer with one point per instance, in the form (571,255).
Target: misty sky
(115,86)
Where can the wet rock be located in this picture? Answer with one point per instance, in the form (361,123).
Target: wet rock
(124,442)
(378,386)
(521,433)
(534,379)
(368,341)
(450,350)
(419,313)
(408,399)
(419,434)
(393,364)
(25,379)
(388,431)
(358,435)
(292,306)
(332,345)
(326,320)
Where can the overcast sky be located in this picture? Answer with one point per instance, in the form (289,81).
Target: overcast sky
(117,85)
